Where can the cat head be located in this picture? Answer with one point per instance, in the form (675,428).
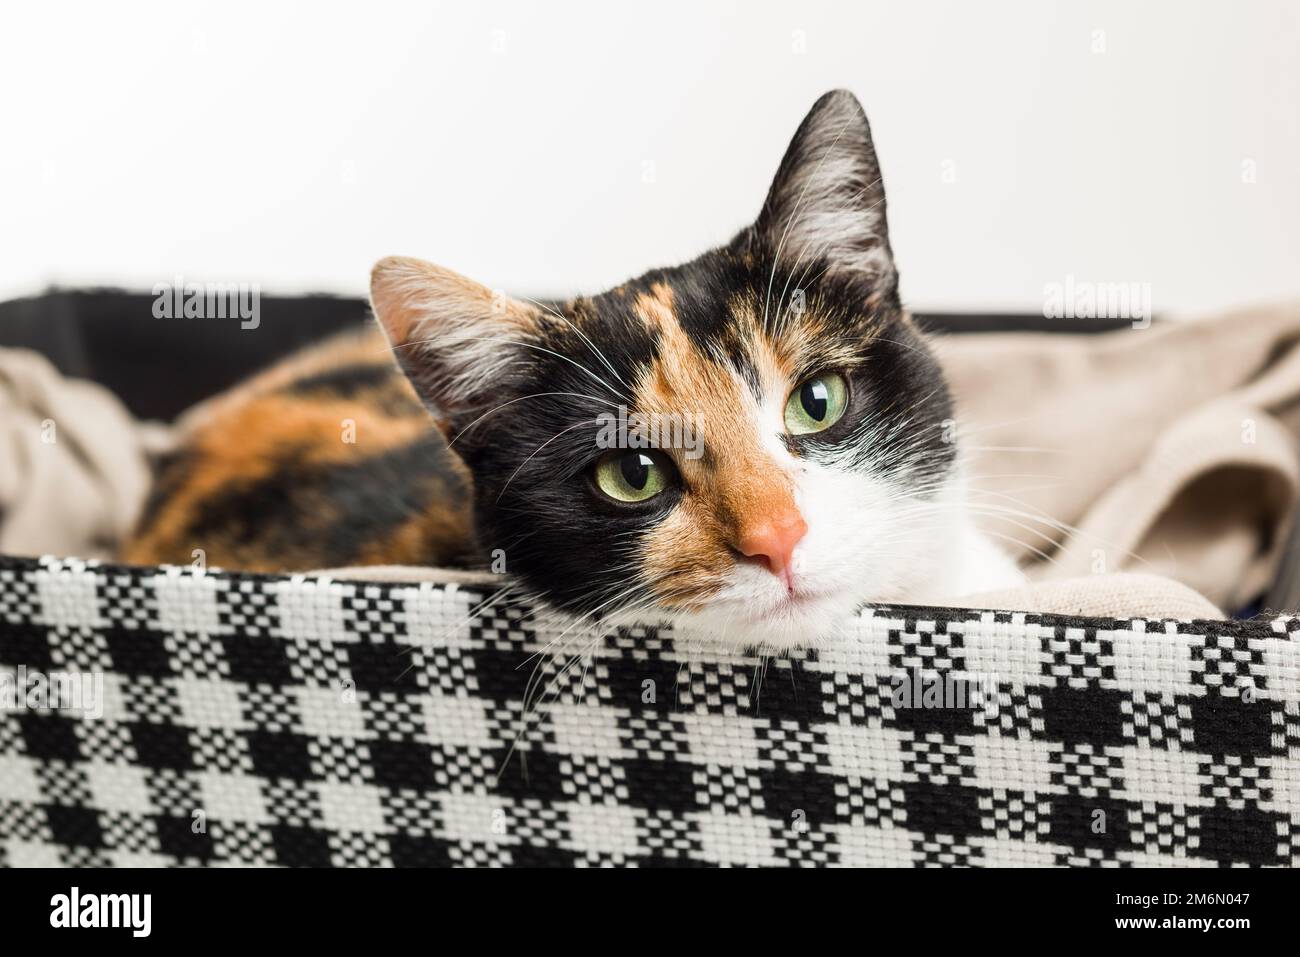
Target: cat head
(752,440)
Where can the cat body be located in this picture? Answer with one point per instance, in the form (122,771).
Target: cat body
(820,472)
(325,460)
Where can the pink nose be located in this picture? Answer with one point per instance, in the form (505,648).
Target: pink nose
(773,542)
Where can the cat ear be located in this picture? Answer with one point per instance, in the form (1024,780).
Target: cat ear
(828,200)
(453,337)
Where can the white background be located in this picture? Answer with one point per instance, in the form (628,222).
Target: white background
(555,148)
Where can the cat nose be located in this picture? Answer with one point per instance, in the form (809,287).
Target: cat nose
(772,542)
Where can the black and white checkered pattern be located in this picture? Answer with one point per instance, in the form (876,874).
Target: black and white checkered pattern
(299,721)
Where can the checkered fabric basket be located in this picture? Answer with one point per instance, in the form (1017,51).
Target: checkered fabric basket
(302,721)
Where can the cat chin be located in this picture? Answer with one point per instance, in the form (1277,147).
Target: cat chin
(963,562)
(818,623)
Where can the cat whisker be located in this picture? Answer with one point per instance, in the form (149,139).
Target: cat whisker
(590,345)
(1042,518)
(532,704)
(1012,448)
(513,343)
(474,613)
(987,426)
(535,395)
(576,425)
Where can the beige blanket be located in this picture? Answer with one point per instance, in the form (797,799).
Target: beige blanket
(1168,451)
(74,470)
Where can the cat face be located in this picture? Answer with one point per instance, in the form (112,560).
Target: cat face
(753,440)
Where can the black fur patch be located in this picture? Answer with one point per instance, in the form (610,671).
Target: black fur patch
(334,511)
(345,382)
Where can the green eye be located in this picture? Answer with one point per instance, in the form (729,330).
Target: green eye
(632,476)
(817,404)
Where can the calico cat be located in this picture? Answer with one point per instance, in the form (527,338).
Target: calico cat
(822,474)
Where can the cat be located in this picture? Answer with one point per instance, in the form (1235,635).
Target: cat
(821,473)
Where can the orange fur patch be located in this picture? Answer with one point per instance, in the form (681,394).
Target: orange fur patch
(245,436)
(736,485)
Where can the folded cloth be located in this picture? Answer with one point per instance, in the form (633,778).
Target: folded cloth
(1170,449)
(1100,596)
(74,466)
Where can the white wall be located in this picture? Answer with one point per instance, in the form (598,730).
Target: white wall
(292,145)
